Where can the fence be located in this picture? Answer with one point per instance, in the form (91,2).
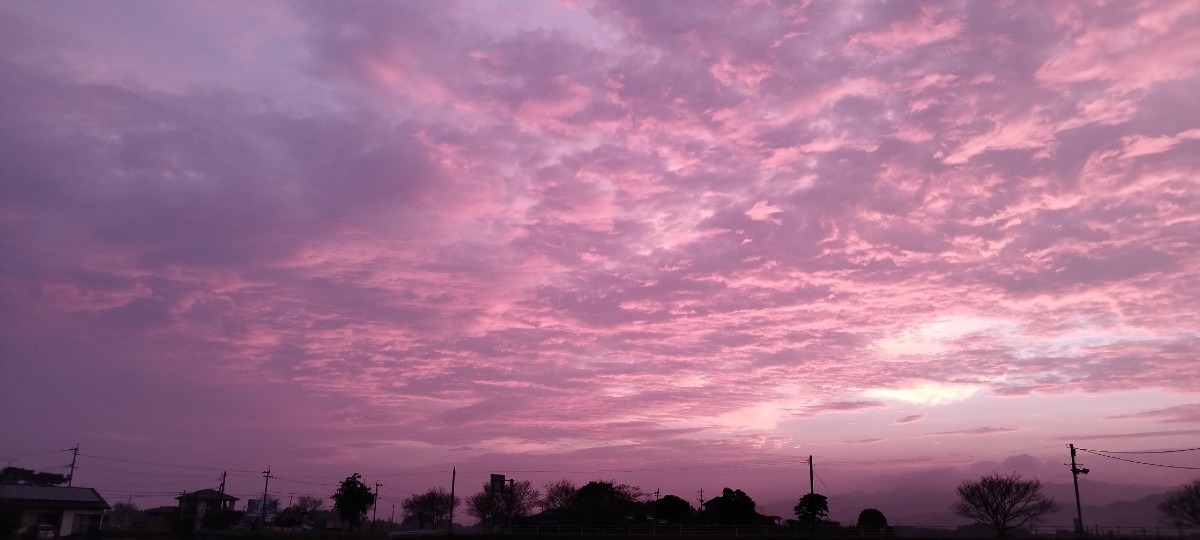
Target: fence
(901,531)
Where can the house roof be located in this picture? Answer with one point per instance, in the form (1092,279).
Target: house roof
(74,497)
(206,495)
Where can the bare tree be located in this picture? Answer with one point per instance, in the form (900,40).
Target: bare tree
(499,508)
(1002,502)
(1182,506)
(431,507)
(558,495)
(122,514)
(309,504)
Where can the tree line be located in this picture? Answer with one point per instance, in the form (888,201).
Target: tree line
(1004,502)
(560,502)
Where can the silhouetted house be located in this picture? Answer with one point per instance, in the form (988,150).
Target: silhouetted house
(161,515)
(195,504)
(68,510)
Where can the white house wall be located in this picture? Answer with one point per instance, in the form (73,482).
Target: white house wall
(67,526)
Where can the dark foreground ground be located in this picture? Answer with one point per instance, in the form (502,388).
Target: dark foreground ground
(666,533)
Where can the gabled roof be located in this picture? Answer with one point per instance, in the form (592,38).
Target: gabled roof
(206,495)
(73,497)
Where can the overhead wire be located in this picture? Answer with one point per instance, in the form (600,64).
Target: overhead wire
(28,454)
(1141,462)
(655,469)
(302,479)
(768,463)
(822,481)
(1141,451)
(195,467)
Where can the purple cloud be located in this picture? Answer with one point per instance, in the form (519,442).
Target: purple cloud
(588,234)
(972,432)
(1181,414)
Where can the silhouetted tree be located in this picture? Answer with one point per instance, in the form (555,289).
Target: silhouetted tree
(495,509)
(871,519)
(733,507)
(558,495)
(28,477)
(673,509)
(431,507)
(309,504)
(605,503)
(352,500)
(1182,506)
(288,517)
(121,515)
(1002,502)
(297,514)
(813,507)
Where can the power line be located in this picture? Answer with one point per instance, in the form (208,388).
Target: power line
(1141,462)
(1142,451)
(658,469)
(783,462)
(28,454)
(195,467)
(822,481)
(286,479)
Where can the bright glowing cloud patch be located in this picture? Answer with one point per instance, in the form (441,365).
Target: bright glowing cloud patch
(938,336)
(761,211)
(927,393)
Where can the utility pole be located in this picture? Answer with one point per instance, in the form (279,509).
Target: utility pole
(266,482)
(74,454)
(221,503)
(700,507)
(811,487)
(812,495)
(453,477)
(392,519)
(656,490)
(1075,472)
(512,491)
(375,506)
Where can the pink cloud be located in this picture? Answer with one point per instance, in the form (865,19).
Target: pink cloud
(1184,414)
(929,27)
(971,432)
(593,236)
(1028,133)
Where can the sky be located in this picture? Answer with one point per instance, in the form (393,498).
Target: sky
(680,245)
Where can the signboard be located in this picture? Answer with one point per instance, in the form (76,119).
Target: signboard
(497,483)
(254,507)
